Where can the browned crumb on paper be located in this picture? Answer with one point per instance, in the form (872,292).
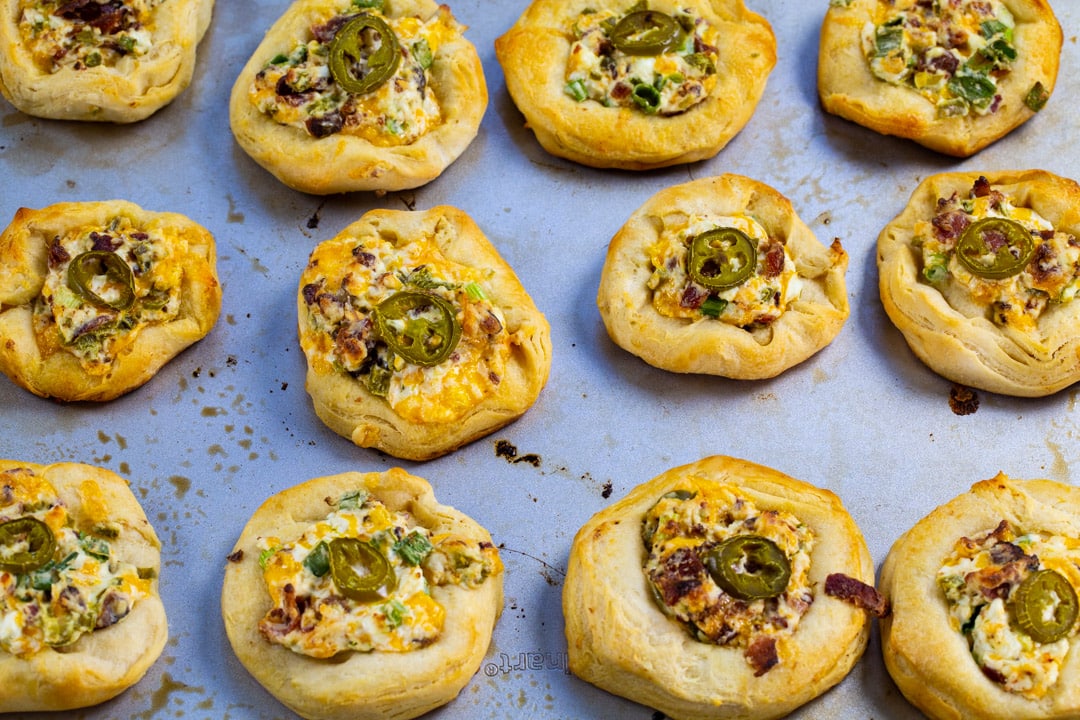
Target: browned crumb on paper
(963,400)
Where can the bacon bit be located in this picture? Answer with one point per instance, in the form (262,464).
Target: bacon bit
(236,556)
(680,575)
(981,188)
(57,254)
(104,242)
(762,655)
(693,296)
(949,225)
(774,260)
(856,592)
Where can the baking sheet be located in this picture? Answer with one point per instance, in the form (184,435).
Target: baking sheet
(228,423)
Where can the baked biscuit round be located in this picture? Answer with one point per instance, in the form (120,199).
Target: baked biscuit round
(963,584)
(593,92)
(1003,321)
(95,297)
(72,61)
(83,620)
(758,295)
(953,77)
(300,111)
(756,658)
(396,653)
(419,337)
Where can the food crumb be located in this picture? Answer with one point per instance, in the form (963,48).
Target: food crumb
(963,400)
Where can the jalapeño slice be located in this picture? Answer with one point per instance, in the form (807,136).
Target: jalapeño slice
(995,248)
(377,578)
(646,32)
(421,327)
(34,539)
(748,567)
(346,51)
(85,267)
(1045,606)
(721,258)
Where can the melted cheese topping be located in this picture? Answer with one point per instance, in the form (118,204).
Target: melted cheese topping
(759,300)
(1051,278)
(1005,652)
(92,36)
(310,616)
(699,520)
(66,320)
(953,54)
(665,84)
(83,587)
(347,277)
(296,88)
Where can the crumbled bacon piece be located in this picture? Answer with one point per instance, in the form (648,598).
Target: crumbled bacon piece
(863,596)
(762,655)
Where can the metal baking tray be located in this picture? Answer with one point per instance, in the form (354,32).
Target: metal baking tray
(228,423)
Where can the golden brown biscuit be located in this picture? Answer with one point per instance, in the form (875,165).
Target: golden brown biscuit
(959,582)
(591,93)
(82,617)
(393,653)
(777,299)
(648,618)
(117,62)
(953,80)
(1003,322)
(95,297)
(419,337)
(321,129)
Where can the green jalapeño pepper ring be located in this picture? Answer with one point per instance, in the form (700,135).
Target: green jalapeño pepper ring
(421,327)
(346,51)
(646,32)
(37,538)
(995,248)
(85,267)
(1045,606)
(721,258)
(378,578)
(748,567)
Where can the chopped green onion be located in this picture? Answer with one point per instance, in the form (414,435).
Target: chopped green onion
(395,613)
(352,500)
(265,555)
(713,306)
(935,273)
(413,548)
(646,97)
(318,560)
(475,292)
(576,90)
(422,52)
(1037,97)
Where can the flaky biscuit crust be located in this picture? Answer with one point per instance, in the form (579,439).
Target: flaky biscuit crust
(342,163)
(534,53)
(346,406)
(359,686)
(929,661)
(848,88)
(710,346)
(103,663)
(959,342)
(24,250)
(620,640)
(131,91)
